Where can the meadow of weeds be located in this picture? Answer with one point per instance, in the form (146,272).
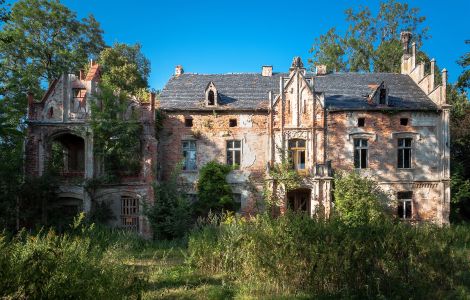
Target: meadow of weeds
(229,257)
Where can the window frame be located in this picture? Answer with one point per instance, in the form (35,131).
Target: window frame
(233,150)
(401,150)
(404,198)
(361,148)
(295,154)
(187,158)
(130,208)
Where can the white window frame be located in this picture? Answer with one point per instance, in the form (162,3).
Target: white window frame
(186,158)
(402,203)
(402,148)
(361,147)
(233,149)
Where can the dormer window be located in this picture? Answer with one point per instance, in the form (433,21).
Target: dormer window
(211,98)
(211,94)
(383,96)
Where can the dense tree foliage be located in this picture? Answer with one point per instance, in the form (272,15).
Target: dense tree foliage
(213,192)
(371,41)
(358,200)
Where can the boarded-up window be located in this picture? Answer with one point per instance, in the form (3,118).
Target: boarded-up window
(130,213)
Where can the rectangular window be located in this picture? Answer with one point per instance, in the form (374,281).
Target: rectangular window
(297,153)
(360,153)
(232,123)
(405,207)
(188,122)
(361,122)
(234,152)
(237,198)
(404,121)
(404,153)
(189,155)
(130,213)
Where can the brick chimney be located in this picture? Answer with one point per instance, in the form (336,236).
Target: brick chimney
(320,69)
(179,70)
(405,38)
(267,71)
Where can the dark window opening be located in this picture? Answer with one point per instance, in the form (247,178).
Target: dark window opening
(299,200)
(404,121)
(67,156)
(383,96)
(404,153)
(297,155)
(233,122)
(405,207)
(188,122)
(211,98)
(234,151)
(360,153)
(50,113)
(237,199)
(361,122)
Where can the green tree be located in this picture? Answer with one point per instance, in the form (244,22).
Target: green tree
(463,82)
(170,215)
(358,200)
(214,193)
(371,41)
(116,136)
(125,68)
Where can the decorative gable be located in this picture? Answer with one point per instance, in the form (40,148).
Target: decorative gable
(211,95)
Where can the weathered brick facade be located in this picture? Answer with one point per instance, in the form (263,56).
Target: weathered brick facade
(391,127)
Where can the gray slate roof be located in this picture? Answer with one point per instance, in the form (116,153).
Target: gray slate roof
(249,91)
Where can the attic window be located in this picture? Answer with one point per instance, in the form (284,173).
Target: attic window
(50,113)
(211,98)
(383,96)
(361,122)
(188,122)
(404,121)
(232,123)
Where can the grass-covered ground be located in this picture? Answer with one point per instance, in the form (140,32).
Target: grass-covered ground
(293,257)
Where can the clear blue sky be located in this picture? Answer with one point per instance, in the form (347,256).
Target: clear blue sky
(241,36)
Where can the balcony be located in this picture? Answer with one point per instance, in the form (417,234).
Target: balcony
(323,170)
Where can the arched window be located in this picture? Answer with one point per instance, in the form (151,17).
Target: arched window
(211,98)
(297,153)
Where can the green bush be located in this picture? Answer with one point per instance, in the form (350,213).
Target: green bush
(68,266)
(170,215)
(214,193)
(295,254)
(358,200)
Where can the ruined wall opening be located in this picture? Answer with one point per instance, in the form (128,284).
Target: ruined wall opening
(299,200)
(67,155)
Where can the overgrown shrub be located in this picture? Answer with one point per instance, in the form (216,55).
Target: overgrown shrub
(295,254)
(68,266)
(214,193)
(170,215)
(358,200)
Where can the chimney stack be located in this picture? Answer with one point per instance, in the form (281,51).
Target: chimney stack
(405,38)
(179,70)
(267,71)
(320,69)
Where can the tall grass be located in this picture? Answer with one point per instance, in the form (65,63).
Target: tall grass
(296,254)
(82,264)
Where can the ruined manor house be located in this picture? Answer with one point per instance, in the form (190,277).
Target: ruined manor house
(391,127)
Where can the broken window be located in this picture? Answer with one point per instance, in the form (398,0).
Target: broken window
(405,207)
(79,100)
(361,122)
(237,199)
(297,153)
(67,156)
(383,96)
(188,122)
(404,153)
(189,155)
(211,98)
(404,121)
(130,213)
(234,151)
(232,123)
(360,153)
